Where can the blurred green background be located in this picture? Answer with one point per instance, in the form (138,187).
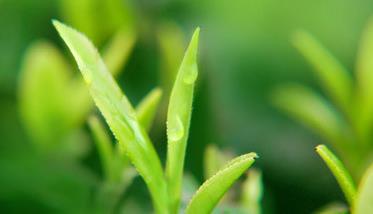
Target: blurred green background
(245,53)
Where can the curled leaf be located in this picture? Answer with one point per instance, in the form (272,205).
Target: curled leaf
(211,191)
(339,171)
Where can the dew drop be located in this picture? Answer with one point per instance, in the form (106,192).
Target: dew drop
(176,131)
(191,75)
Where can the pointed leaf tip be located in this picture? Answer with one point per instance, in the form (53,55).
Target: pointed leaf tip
(81,47)
(340,173)
(212,190)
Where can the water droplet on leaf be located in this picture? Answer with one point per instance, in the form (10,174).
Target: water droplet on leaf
(190,76)
(176,130)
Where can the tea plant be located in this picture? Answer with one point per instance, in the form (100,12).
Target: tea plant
(54,105)
(345,122)
(164,188)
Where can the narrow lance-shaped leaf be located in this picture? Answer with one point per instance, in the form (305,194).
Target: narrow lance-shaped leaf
(117,52)
(118,112)
(333,76)
(252,192)
(214,159)
(312,110)
(363,202)
(209,194)
(81,14)
(115,56)
(365,79)
(104,146)
(339,171)
(178,119)
(171,44)
(147,108)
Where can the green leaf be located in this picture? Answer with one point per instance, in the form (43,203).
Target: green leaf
(365,79)
(104,145)
(81,14)
(363,202)
(147,108)
(43,94)
(171,44)
(118,50)
(333,76)
(312,110)
(115,56)
(339,171)
(178,120)
(252,192)
(214,159)
(209,194)
(96,18)
(118,113)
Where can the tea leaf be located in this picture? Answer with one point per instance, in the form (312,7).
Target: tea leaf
(118,50)
(82,15)
(365,79)
(43,94)
(104,146)
(212,162)
(178,119)
(339,171)
(333,76)
(171,44)
(312,110)
(209,194)
(118,112)
(252,192)
(214,159)
(147,108)
(96,18)
(363,202)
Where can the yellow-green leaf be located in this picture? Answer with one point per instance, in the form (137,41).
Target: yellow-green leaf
(252,192)
(104,146)
(339,171)
(178,120)
(43,94)
(365,79)
(364,199)
(147,108)
(118,113)
(333,76)
(209,194)
(117,52)
(171,44)
(312,110)
(214,159)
